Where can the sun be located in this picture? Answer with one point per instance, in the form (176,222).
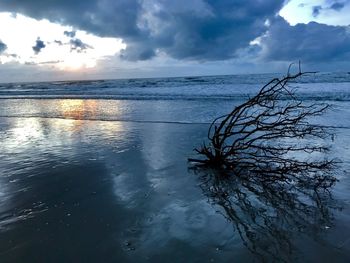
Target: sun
(75,63)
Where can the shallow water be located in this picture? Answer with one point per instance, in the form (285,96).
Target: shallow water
(77,185)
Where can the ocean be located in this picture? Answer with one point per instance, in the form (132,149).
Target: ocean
(228,87)
(97,171)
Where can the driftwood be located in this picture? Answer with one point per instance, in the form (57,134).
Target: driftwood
(267,171)
(269,133)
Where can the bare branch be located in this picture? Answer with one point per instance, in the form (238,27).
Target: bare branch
(267,133)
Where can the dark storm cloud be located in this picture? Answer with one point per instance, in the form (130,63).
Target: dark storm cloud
(197,29)
(102,17)
(337,6)
(75,43)
(39,45)
(31,63)
(206,30)
(316,10)
(78,45)
(311,42)
(3,47)
(138,51)
(69,33)
(58,42)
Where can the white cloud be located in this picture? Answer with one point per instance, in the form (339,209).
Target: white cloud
(300,11)
(20,33)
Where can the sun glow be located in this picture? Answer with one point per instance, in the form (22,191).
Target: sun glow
(77,108)
(60,51)
(76,62)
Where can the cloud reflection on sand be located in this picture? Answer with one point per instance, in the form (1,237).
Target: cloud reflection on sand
(35,150)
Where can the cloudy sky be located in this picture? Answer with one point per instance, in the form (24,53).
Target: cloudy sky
(94,39)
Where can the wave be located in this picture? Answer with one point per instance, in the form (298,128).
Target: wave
(179,122)
(325,86)
(303,97)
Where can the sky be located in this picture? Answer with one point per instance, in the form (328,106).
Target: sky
(44,40)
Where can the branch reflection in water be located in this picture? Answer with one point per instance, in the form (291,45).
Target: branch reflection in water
(268,214)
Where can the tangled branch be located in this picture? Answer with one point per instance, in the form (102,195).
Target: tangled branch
(279,167)
(266,133)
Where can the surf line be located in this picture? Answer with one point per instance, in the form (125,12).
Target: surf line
(105,120)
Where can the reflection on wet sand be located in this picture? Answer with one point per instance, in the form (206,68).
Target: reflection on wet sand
(107,191)
(77,109)
(270,216)
(25,131)
(81,110)
(37,131)
(34,148)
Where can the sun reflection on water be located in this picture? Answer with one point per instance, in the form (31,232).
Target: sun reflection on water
(78,108)
(64,121)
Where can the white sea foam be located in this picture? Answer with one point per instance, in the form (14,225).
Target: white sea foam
(321,86)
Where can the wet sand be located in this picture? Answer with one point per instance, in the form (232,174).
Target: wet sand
(122,191)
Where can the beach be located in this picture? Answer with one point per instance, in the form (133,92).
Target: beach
(100,174)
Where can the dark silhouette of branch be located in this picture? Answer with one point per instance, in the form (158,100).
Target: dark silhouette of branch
(263,133)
